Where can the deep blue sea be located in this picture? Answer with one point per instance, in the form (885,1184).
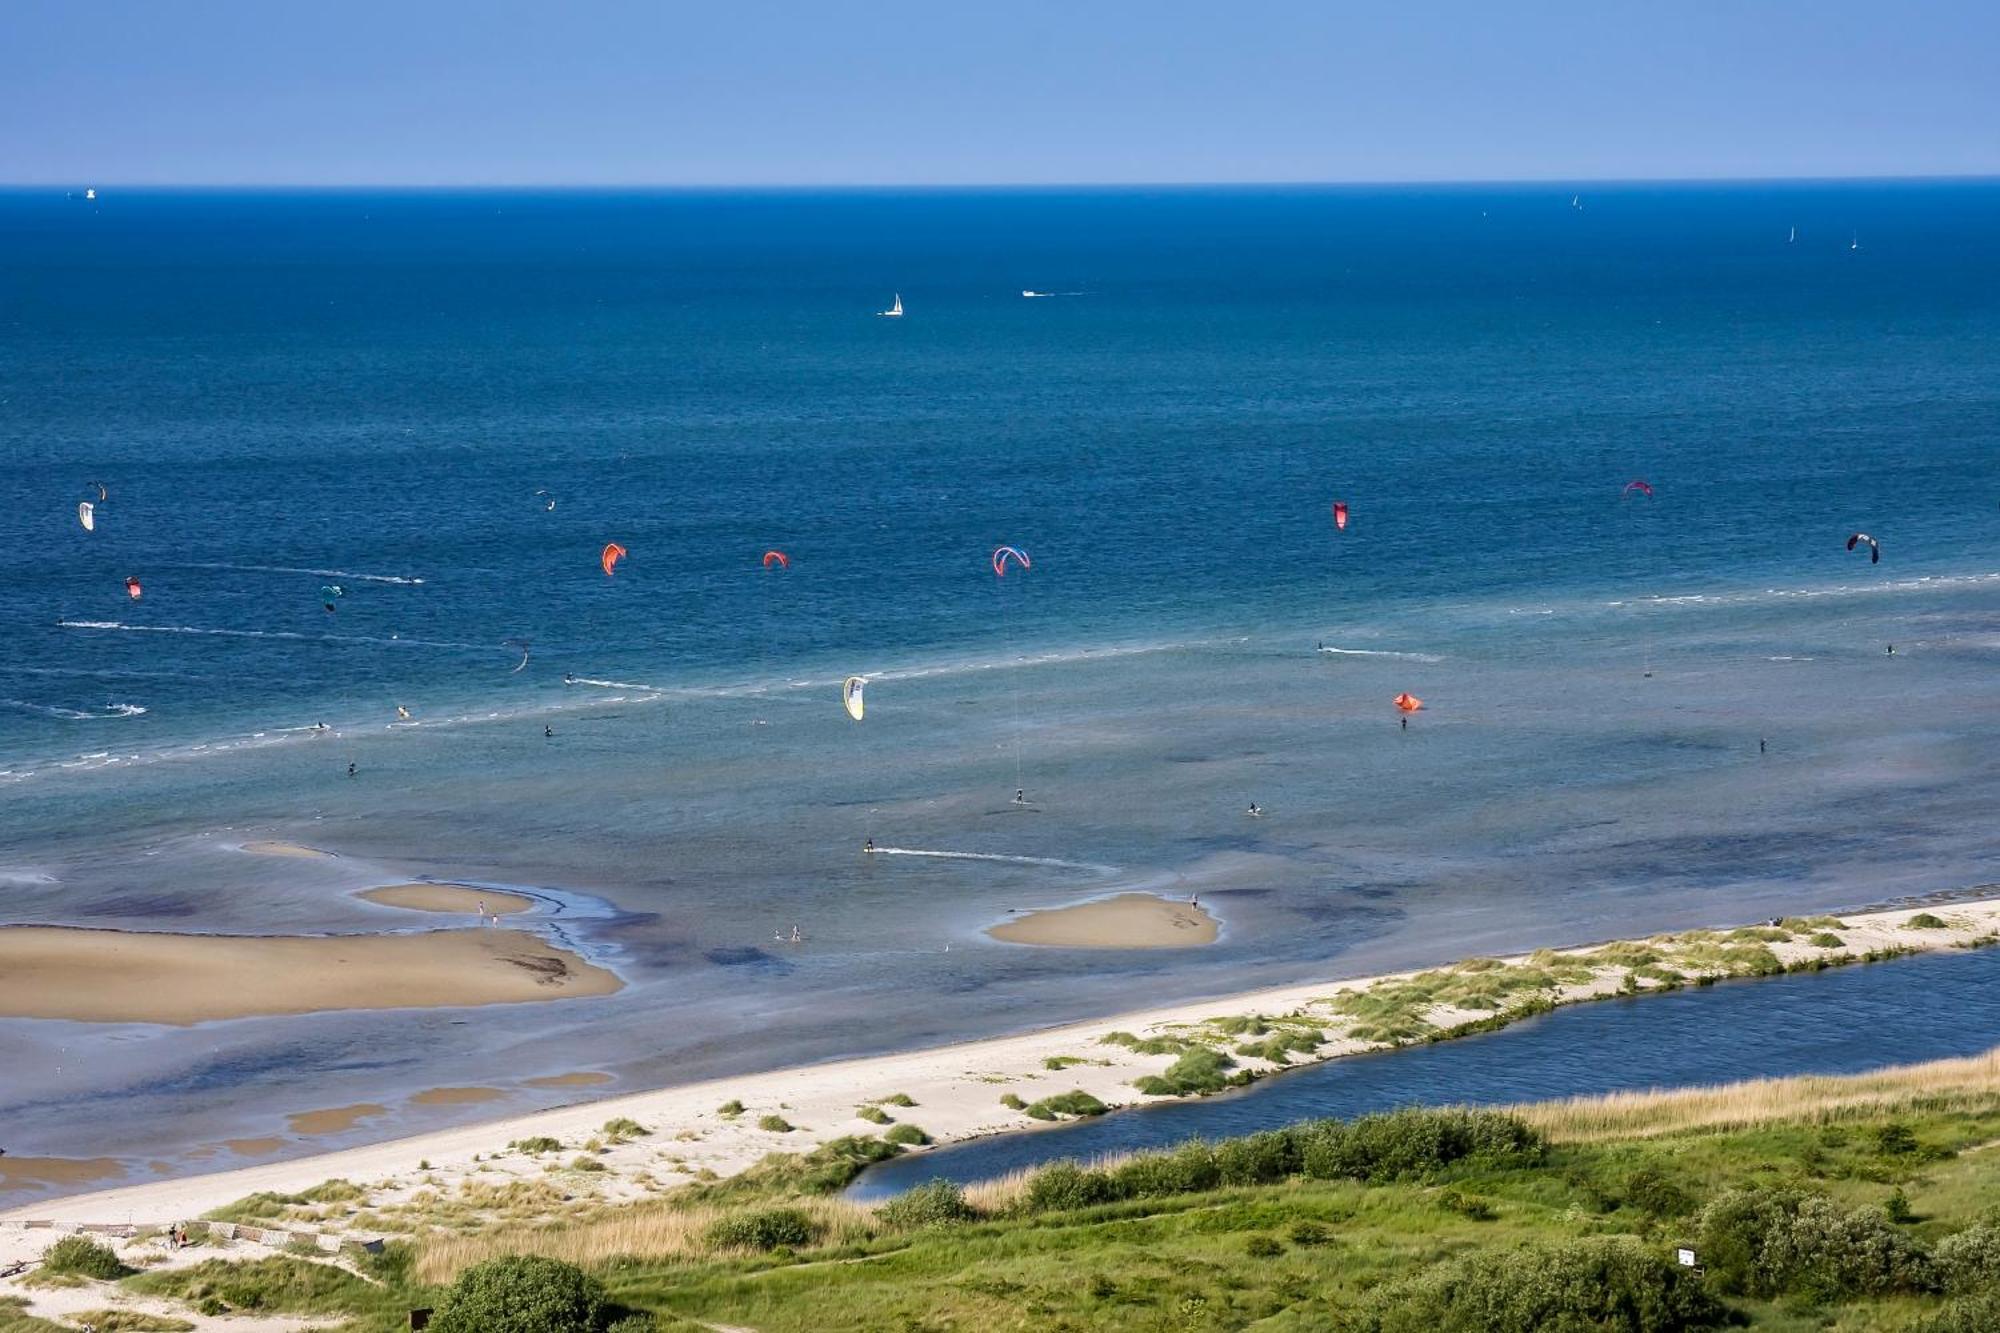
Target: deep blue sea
(387,392)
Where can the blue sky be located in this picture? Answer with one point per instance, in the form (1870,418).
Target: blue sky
(753,92)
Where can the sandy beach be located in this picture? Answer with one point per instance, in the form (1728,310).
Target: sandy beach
(1128,921)
(450,898)
(296,851)
(108,976)
(956,1092)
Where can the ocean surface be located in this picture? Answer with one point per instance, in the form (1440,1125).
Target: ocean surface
(445,404)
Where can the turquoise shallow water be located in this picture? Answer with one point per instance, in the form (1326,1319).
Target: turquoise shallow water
(281,391)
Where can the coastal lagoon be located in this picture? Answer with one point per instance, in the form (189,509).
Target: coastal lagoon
(284,392)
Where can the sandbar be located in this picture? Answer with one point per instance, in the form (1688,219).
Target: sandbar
(111,976)
(298,850)
(42,1173)
(454,898)
(1129,921)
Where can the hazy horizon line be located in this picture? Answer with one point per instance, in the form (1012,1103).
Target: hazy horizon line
(665,187)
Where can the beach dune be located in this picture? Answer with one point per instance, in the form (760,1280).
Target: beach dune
(109,976)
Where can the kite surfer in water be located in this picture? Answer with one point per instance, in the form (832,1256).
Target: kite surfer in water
(868,845)
(1020,796)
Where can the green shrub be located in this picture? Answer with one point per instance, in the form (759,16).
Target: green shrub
(1769,1242)
(540,1143)
(764,1230)
(1653,1192)
(933,1203)
(1926,921)
(1599,1285)
(1309,1233)
(1826,939)
(1414,1143)
(906,1135)
(1895,1140)
(1012,1101)
(521,1293)
(1263,1247)
(633,1323)
(1062,1186)
(1969,1262)
(1187,1169)
(1257,1159)
(774,1124)
(83,1257)
(899,1099)
(1978,1314)
(1466,1205)
(1897,1207)
(1058,1063)
(585,1163)
(1074,1103)
(731,1108)
(875,1115)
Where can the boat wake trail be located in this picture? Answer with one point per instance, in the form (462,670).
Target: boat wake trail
(403,579)
(1381,652)
(74,714)
(612,684)
(266,634)
(995,856)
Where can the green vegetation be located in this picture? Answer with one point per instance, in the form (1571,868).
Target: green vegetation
(730,1108)
(305,1205)
(1075,1103)
(899,1099)
(931,1204)
(619,1129)
(522,1294)
(1199,1070)
(1826,939)
(584,1163)
(1012,1101)
(79,1256)
(906,1135)
(1927,921)
(1562,1217)
(1058,1063)
(875,1115)
(122,1321)
(774,1124)
(276,1285)
(769,1229)
(540,1143)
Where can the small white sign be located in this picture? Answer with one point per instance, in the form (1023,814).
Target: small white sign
(1686,1257)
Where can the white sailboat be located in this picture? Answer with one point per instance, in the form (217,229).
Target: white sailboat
(895,311)
(1854,241)
(1793,238)
(90,194)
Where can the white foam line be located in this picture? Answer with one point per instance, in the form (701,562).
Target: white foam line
(995,856)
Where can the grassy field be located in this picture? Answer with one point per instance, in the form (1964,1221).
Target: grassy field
(1862,1205)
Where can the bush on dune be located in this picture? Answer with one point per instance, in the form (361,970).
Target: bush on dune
(1600,1285)
(1766,1241)
(933,1203)
(83,1257)
(522,1294)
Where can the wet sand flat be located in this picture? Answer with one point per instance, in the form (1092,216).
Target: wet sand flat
(1129,921)
(580,1079)
(455,898)
(333,1120)
(109,976)
(456,1096)
(39,1173)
